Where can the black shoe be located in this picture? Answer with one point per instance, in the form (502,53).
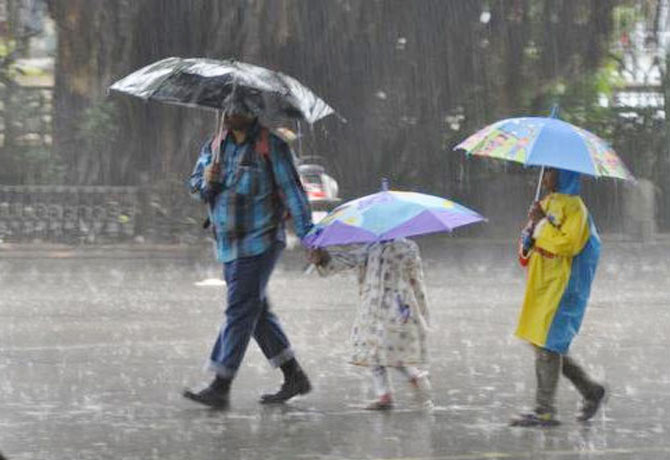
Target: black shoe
(297,384)
(215,396)
(534,420)
(592,404)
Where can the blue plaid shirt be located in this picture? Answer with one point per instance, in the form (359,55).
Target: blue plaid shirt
(248,206)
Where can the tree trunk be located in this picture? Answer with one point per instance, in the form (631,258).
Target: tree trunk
(394,69)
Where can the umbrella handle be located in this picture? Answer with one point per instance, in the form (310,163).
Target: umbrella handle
(299,138)
(216,142)
(554,114)
(539,185)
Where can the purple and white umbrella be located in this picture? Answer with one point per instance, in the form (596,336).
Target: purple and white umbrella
(388,215)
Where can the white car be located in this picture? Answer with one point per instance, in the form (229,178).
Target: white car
(321,189)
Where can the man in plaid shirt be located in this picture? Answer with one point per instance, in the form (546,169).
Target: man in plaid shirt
(249,192)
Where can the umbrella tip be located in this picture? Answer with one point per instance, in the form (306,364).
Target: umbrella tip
(385,184)
(554,111)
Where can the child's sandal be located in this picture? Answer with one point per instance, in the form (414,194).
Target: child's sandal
(379,405)
(383,403)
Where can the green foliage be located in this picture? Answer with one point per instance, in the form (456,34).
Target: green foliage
(585,101)
(625,17)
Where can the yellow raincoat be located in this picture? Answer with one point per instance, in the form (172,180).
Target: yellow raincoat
(561,268)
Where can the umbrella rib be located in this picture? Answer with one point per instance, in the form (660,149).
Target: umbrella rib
(596,173)
(532,144)
(178,71)
(586,140)
(159,81)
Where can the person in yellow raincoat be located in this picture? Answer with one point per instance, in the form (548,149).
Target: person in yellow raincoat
(560,247)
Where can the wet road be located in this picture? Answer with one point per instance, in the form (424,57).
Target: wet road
(95,351)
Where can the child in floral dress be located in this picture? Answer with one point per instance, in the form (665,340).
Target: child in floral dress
(391,323)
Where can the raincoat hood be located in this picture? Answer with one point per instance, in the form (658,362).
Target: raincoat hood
(568,182)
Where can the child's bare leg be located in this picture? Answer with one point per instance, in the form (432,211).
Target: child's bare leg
(382,387)
(410,372)
(419,381)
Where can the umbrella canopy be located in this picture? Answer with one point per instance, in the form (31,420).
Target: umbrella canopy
(387,215)
(206,83)
(540,141)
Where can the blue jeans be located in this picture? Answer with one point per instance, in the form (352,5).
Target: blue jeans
(248,314)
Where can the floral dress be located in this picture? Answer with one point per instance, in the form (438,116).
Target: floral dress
(391,323)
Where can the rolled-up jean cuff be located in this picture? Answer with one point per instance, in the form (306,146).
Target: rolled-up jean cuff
(220,370)
(285,355)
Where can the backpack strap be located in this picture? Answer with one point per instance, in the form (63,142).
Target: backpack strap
(261,145)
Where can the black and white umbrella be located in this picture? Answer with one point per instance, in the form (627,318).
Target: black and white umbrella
(206,83)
